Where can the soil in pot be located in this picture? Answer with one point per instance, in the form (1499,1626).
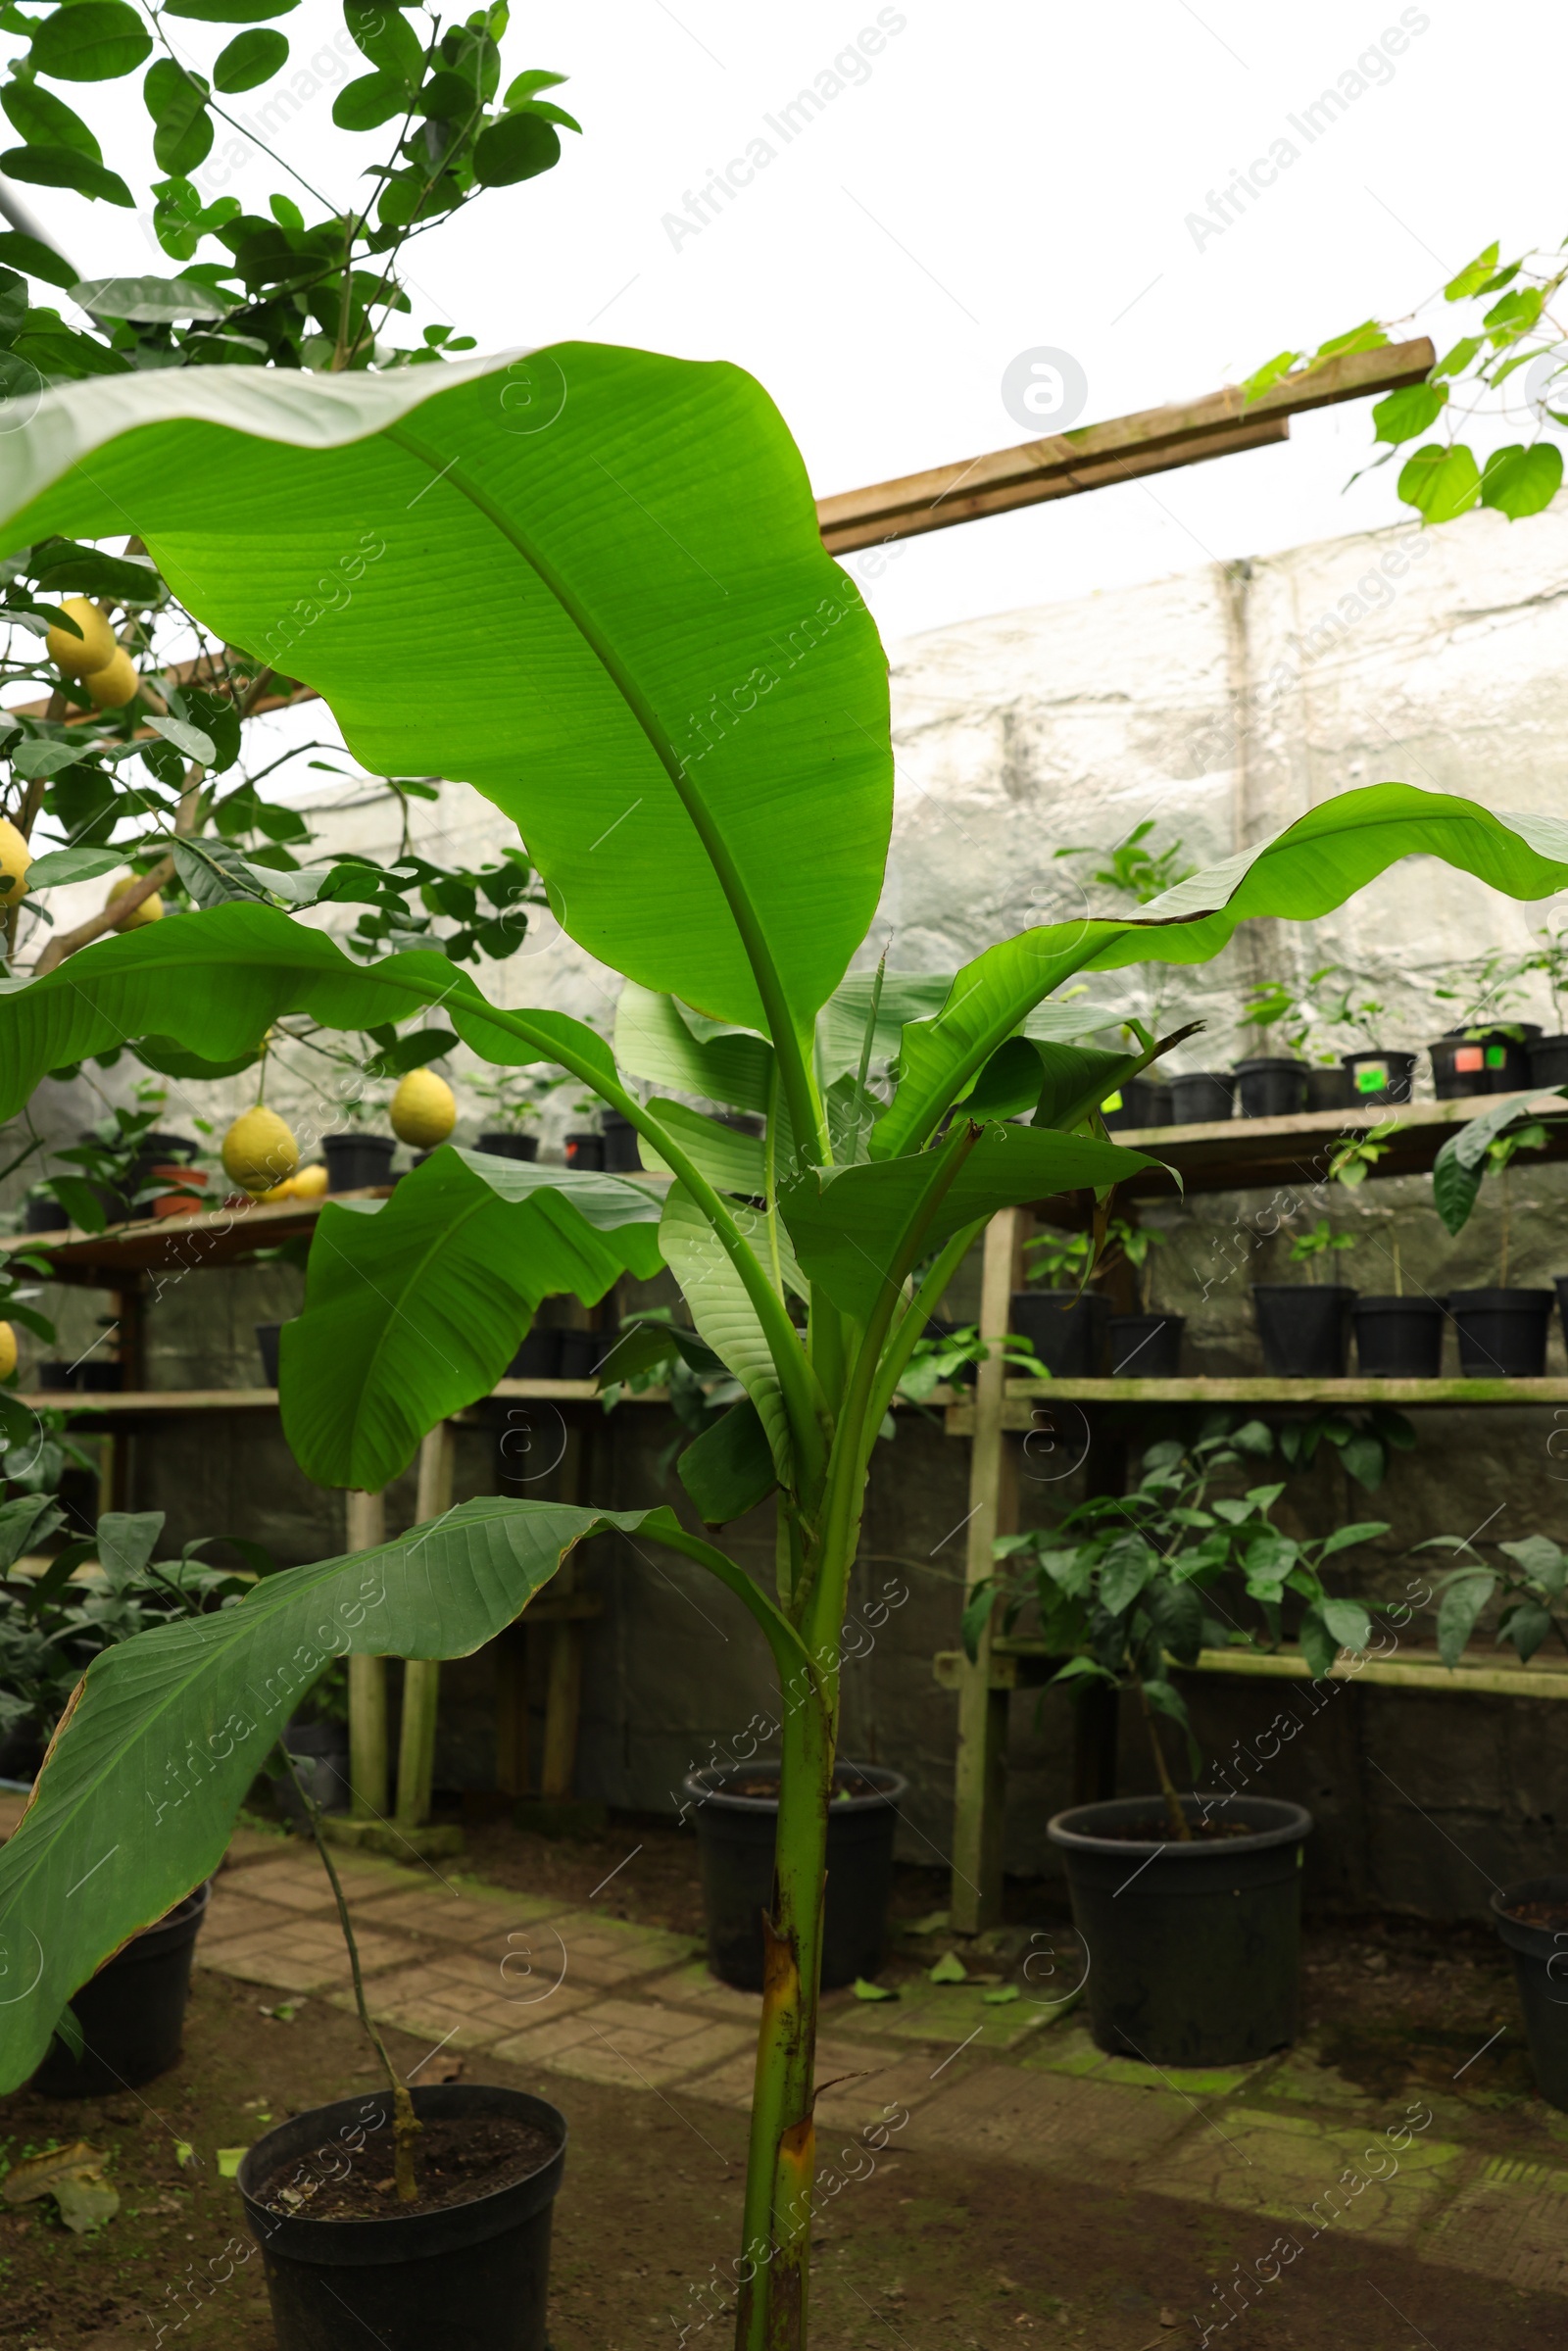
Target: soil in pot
(1271,1085)
(1549,1061)
(1481,1060)
(1142,1102)
(466,2267)
(1532,1918)
(507,1146)
(1146,1346)
(1329,1090)
(1380,1078)
(1068,1330)
(1196,1946)
(1399,1338)
(356,1162)
(1203,1096)
(131,2013)
(1304,1328)
(735,1809)
(1502,1333)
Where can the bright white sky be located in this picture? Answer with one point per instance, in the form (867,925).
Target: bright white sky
(1005,177)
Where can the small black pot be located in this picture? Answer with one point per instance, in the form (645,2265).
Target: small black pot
(1146,1346)
(1380,1078)
(619,1139)
(586,1154)
(1195,1949)
(320,1752)
(735,1839)
(1399,1338)
(1540,1971)
(508,1145)
(267,1339)
(582,1352)
(1143,1102)
(1271,1085)
(1203,1096)
(1304,1327)
(538,1357)
(131,2013)
(1483,1060)
(472,2276)
(90,1376)
(357,1162)
(45,1216)
(1329,1089)
(1502,1333)
(1068,1330)
(1549,1061)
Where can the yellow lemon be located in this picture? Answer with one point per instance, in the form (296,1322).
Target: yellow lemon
(8,1350)
(93,650)
(310,1182)
(151,908)
(260,1151)
(15,858)
(114,684)
(425,1109)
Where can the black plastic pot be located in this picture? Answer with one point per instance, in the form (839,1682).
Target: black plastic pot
(1540,1971)
(1560,1284)
(619,1140)
(45,1216)
(1142,1102)
(1399,1338)
(1194,1949)
(735,1837)
(1502,1333)
(1380,1078)
(133,2012)
(1271,1085)
(1549,1061)
(586,1152)
(581,1352)
(90,1376)
(472,2276)
(1203,1096)
(1304,1328)
(356,1162)
(538,1357)
(1067,1329)
(320,1752)
(1329,1090)
(1480,1060)
(1145,1347)
(507,1146)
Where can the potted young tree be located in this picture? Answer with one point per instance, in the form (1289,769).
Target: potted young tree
(1146,1344)
(1132,874)
(1503,1330)
(1190,1903)
(1305,1326)
(670,825)
(1270,1084)
(1485,1051)
(1548,1056)
(1398,1337)
(1065,1323)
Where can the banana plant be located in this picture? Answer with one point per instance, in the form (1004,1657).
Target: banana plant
(681,703)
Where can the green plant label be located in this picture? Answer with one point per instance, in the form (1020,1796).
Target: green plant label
(1371,1077)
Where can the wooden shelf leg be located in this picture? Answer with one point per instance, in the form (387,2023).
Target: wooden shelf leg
(368,1756)
(512,1712)
(562,1706)
(422,1676)
(981,1764)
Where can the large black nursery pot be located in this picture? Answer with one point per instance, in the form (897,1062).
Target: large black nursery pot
(585,1152)
(735,1837)
(1201,1096)
(356,1162)
(1067,1329)
(1304,1328)
(1502,1333)
(1478,1060)
(320,1757)
(131,2013)
(1539,1946)
(1399,1338)
(1549,1061)
(1146,1346)
(461,2276)
(1379,1079)
(1193,1950)
(619,1139)
(1270,1086)
(1329,1089)
(1142,1102)
(502,1144)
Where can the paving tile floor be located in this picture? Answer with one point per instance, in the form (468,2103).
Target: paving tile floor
(542,1983)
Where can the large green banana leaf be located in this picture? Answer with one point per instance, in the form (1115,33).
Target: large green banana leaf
(1313,866)
(652,1041)
(140,1790)
(588,583)
(415,1309)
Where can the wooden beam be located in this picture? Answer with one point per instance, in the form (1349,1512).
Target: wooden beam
(1091,457)
(1024,1664)
(1022,1397)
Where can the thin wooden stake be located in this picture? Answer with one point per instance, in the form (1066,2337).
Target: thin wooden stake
(368,1755)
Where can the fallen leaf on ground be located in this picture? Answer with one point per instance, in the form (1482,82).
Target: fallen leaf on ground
(230,2160)
(74,2177)
(864,1990)
(998,1999)
(950,1968)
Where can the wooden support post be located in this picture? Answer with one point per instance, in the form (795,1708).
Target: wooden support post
(422,1676)
(368,1758)
(562,1706)
(980,1772)
(512,1712)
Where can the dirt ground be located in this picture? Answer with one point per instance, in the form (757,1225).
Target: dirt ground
(929,2253)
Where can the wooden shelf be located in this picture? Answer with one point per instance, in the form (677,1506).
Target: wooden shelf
(1021,1663)
(153,1403)
(213,1237)
(1023,1398)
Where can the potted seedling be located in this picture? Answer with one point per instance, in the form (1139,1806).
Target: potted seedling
(1146,1344)
(1347,1025)
(1485,1050)
(1064,1323)
(1133,874)
(1548,1056)
(1190,1903)
(357,1158)
(1397,1336)
(1270,1084)
(1503,1330)
(514,1100)
(1305,1326)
